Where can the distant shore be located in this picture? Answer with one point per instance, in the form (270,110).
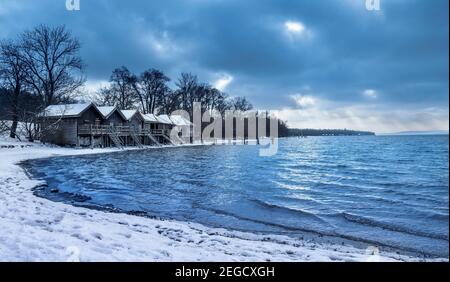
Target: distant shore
(306,132)
(414,133)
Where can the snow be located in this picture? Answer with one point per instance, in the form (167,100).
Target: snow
(37,229)
(128,114)
(106,111)
(149,117)
(65,110)
(164,119)
(69,110)
(179,120)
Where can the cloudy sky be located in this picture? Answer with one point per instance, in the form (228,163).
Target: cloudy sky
(315,63)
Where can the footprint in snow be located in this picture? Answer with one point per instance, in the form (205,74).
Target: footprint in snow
(97,236)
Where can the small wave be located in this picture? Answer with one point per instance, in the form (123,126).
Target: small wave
(270,223)
(371,222)
(300,199)
(439,216)
(297,212)
(383,200)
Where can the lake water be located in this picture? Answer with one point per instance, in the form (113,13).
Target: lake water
(387,190)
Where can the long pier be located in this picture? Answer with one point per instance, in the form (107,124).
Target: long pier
(121,136)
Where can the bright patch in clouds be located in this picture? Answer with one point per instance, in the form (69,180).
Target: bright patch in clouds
(162,44)
(294,27)
(222,83)
(95,85)
(370,93)
(90,90)
(296,30)
(303,101)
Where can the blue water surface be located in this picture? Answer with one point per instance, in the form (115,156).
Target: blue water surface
(386,190)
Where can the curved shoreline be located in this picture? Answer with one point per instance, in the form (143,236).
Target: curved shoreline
(312,234)
(105,236)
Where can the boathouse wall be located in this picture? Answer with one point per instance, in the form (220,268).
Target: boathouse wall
(114,119)
(65,132)
(135,122)
(90,116)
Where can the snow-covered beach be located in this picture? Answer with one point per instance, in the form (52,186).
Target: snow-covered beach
(36,229)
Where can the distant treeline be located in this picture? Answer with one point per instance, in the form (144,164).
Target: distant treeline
(326,132)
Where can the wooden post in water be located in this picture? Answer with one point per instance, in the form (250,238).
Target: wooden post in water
(92,137)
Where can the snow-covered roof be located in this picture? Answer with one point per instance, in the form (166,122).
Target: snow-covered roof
(67,110)
(106,110)
(128,114)
(149,118)
(164,119)
(179,120)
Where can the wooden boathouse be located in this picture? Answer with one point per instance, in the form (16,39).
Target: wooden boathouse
(88,125)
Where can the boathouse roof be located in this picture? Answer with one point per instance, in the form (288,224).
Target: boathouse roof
(107,111)
(164,119)
(67,110)
(180,121)
(129,114)
(149,118)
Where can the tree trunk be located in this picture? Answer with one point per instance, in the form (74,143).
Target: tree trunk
(15,114)
(14,126)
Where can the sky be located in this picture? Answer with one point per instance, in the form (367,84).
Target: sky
(314,63)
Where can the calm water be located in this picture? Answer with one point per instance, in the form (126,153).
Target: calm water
(392,190)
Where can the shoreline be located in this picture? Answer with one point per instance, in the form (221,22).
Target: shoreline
(38,229)
(78,200)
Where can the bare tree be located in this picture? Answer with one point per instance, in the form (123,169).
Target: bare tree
(12,77)
(169,103)
(221,104)
(216,97)
(190,91)
(121,92)
(187,85)
(105,97)
(35,124)
(4,126)
(240,104)
(152,90)
(54,68)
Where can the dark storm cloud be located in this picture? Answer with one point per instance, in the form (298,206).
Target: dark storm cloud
(401,51)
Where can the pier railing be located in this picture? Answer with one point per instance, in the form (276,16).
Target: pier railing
(92,129)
